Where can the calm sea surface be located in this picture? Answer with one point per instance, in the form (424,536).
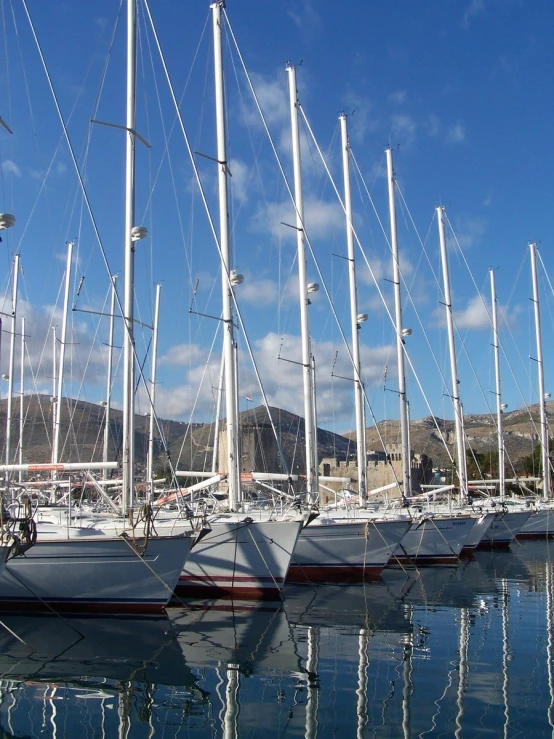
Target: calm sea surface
(449,652)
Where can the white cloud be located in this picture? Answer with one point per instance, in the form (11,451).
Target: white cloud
(10,167)
(470,231)
(86,358)
(272,94)
(321,219)
(260,292)
(397,98)
(433,125)
(184,355)
(456,133)
(304,14)
(474,8)
(241,175)
(403,127)
(282,380)
(475,315)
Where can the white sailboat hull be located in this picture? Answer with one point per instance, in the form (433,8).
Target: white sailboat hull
(246,559)
(433,541)
(97,574)
(480,527)
(503,530)
(539,525)
(345,551)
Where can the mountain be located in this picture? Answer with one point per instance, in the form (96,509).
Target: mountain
(521,429)
(82,429)
(191,446)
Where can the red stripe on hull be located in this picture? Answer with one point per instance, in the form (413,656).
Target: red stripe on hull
(426,561)
(467,552)
(36,606)
(225,579)
(536,535)
(226,604)
(211,590)
(342,573)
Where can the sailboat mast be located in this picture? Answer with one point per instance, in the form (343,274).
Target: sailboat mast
(132,235)
(310,426)
(21,395)
(499,418)
(458,413)
(54,385)
(540,368)
(61,365)
(12,360)
(226,287)
(404,430)
(220,386)
(150,461)
(109,373)
(361,452)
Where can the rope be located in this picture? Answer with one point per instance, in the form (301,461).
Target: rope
(373,523)
(144,516)
(265,563)
(128,541)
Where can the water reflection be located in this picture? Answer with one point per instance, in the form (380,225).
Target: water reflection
(458,652)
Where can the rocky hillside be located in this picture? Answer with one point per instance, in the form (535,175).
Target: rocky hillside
(191,447)
(520,434)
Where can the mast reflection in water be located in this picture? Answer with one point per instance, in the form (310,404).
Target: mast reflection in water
(447,652)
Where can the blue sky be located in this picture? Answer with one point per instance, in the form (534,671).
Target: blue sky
(460,90)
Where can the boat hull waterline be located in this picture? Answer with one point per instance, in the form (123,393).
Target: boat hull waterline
(434,541)
(539,525)
(247,559)
(504,529)
(348,551)
(94,575)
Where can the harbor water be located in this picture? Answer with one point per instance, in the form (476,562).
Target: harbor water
(464,651)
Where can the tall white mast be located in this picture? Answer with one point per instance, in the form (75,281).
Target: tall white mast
(226,287)
(61,365)
(540,368)
(54,385)
(150,460)
(12,359)
(220,386)
(109,373)
(458,412)
(499,407)
(132,235)
(312,481)
(21,395)
(404,430)
(361,452)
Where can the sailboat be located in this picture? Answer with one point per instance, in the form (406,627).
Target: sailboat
(540,524)
(244,554)
(79,569)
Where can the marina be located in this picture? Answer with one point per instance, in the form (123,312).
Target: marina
(260,475)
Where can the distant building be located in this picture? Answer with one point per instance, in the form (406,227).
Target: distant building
(382,469)
(258,449)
